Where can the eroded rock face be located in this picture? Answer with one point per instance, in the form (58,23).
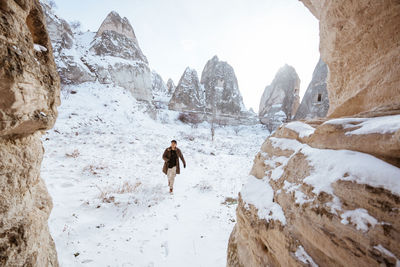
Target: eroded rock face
(280,99)
(115,23)
(171,86)
(189,93)
(71,69)
(321,206)
(110,56)
(121,59)
(161,93)
(221,88)
(158,84)
(216,98)
(326,192)
(360,43)
(29,95)
(315,103)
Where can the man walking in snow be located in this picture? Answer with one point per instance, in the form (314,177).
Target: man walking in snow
(171,163)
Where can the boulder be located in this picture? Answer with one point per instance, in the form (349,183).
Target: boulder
(315,102)
(29,96)
(280,99)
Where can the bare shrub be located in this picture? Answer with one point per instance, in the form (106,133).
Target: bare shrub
(230,201)
(188,137)
(74,154)
(189,118)
(92,169)
(203,186)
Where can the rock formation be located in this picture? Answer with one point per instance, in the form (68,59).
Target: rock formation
(123,61)
(29,95)
(114,23)
(315,102)
(171,86)
(280,99)
(221,88)
(71,70)
(189,93)
(357,82)
(216,97)
(161,95)
(326,192)
(110,56)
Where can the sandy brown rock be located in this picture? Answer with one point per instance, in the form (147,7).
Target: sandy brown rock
(29,95)
(385,146)
(25,205)
(28,77)
(360,42)
(313,225)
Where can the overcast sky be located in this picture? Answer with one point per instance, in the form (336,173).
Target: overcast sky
(256,37)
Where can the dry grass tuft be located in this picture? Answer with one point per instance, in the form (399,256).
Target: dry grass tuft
(74,154)
(107,194)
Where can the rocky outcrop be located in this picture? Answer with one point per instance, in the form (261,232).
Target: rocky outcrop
(71,69)
(326,192)
(221,88)
(114,23)
(280,99)
(216,98)
(110,56)
(161,95)
(189,93)
(171,86)
(122,61)
(315,102)
(309,204)
(29,95)
(360,43)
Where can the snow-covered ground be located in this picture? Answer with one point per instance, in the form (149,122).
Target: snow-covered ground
(112,207)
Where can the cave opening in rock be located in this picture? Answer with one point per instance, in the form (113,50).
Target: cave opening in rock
(319,98)
(36,28)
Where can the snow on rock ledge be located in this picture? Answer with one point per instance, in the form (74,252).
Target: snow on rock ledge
(337,205)
(260,194)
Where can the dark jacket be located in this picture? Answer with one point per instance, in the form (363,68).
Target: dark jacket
(167,155)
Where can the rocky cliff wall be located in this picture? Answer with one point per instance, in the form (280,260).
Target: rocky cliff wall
(326,192)
(360,43)
(29,95)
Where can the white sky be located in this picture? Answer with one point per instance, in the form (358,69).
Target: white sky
(256,37)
